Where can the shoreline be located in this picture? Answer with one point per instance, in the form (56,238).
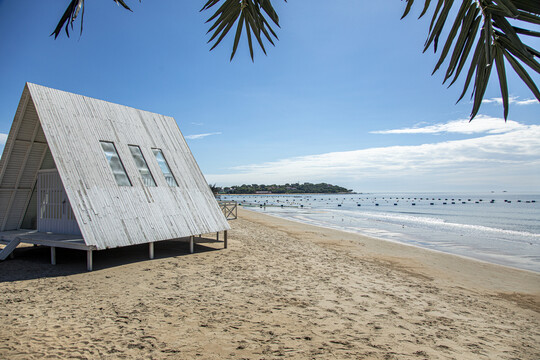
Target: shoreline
(282,289)
(247,208)
(424,261)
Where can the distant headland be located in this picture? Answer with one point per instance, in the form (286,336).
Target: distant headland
(305,188)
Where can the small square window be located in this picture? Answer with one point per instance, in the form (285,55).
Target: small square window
(164,167)
(141,164)
(117,167)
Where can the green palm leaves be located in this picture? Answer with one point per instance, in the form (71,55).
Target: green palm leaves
(246,13)
(488,26)
(71,13)
(484,31)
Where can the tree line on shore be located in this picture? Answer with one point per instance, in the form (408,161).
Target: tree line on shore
(296,188)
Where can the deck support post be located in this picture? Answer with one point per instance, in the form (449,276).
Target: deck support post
(151,250)
(89,260)
(53,255)
(225,239)
(217,236)
(191,246)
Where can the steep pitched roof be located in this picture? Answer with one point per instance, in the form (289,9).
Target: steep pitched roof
(108,215)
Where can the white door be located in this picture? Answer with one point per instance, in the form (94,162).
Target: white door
(54,211)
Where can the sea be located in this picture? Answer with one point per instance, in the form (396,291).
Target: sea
(501,228)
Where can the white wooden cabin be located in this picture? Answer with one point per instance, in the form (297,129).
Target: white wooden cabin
(83,173)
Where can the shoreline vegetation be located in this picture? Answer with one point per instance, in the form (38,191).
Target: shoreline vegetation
(282,289)
(296,188)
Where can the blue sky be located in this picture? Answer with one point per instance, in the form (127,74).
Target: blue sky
(345,97)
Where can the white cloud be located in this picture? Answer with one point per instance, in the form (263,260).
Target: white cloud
(197,123)
(200,136)
(511,100)
(508,159)
(480,124)
(3,139)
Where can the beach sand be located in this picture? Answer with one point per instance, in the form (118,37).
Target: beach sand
(281,290)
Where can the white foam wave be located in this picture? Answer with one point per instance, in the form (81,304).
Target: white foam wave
(433,222)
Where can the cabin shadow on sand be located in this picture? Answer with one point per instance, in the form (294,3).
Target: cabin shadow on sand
(33,262)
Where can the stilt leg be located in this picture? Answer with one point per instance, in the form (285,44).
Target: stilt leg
(225,239)
(53,256)
(191,241)
(151,250)
(217,236)
(89,260)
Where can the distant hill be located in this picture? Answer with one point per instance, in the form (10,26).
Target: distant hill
(305,188)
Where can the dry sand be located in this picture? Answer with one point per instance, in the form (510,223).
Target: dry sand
(281,290)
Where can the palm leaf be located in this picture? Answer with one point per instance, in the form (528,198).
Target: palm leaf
(72,12)
(501,71)
(499,41)
(250,15)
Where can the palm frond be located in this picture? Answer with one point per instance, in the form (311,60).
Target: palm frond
(249,14)
(71,14)
(490,24)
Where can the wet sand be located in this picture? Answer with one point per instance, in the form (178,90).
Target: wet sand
(281,290)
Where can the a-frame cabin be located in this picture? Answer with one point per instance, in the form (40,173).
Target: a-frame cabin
(83,173)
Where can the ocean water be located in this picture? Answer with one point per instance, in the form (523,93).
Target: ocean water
(501,228)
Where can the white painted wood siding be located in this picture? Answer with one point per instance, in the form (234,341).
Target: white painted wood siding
(54,212)
(22,156)
(110,215)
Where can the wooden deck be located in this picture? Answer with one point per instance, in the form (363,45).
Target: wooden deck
(13,238)
(46,239)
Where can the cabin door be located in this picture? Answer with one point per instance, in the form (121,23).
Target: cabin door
(54,210)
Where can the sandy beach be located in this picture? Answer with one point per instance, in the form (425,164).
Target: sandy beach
(281,290)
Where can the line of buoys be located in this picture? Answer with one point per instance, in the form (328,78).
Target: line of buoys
(253,201)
